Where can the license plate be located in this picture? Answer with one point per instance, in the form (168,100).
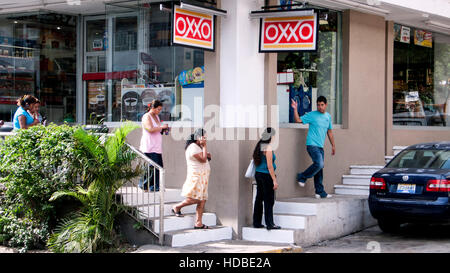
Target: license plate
(406,188)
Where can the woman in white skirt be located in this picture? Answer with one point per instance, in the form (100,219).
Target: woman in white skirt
(195,188)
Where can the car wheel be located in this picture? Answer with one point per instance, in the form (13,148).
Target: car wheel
(389,226)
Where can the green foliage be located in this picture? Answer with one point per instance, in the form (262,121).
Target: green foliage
(35,163)
(107,167)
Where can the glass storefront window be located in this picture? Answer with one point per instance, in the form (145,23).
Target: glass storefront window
(421,77)
(304,76)
(134,63)
(38,57)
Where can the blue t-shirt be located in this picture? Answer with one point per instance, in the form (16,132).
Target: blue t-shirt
(319,124)
(20,111)
(262,168)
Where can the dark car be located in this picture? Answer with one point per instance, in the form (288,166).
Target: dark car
(413,187)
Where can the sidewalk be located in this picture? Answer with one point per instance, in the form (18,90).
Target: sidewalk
(224,246)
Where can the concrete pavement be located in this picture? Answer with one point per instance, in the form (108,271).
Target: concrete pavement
(224,246)
(412,238)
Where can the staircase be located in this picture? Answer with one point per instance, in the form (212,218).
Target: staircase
(306,221)
(178,231)
(358,181)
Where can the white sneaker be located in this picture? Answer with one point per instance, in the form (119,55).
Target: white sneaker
(301,184)
(328,196)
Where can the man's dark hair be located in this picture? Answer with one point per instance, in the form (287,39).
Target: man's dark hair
(322,99)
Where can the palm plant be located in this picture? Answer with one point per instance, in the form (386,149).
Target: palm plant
(104,170)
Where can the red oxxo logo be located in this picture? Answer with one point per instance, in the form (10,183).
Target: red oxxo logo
(193,28)
(289,33)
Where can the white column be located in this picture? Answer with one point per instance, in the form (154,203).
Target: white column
(241,66)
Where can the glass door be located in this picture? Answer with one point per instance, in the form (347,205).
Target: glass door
(110,56)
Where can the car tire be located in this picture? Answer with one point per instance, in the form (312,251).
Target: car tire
(389,226)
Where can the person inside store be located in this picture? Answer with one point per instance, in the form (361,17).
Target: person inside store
(195,187)
(266,180)
(22,119)
(1,123)
(151,142)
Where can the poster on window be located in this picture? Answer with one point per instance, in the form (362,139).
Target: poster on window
(405,35)
(397,32)
(423,38)
(296,33)
(136,98)
(193,29)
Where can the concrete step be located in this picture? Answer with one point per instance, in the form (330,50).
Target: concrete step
(361,180)
(362,169)
(197,236)
(352,189)
(289,221)
(294,207)
(398,149)
(270,236)
(172,223)
(150,211)
(133,196)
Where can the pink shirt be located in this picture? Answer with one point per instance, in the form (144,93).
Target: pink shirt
(151,142)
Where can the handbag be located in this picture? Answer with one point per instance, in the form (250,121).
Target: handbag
(250,173)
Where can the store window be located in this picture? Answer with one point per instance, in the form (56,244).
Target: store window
(421,77)
(130,62)
(38,57)
(304,76)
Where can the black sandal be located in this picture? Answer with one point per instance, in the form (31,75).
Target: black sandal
(177,214)
(202,227)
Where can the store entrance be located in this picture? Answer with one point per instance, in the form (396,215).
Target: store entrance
(110,55)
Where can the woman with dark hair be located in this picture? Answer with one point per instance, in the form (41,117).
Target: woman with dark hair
(266,180)
(195,188)
(22,119)
(151,141)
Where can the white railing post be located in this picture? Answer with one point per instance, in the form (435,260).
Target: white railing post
(161,206)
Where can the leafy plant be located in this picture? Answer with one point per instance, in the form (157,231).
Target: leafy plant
(108,166)
(34,164)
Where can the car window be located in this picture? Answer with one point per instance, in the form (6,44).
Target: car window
(442,161)
(434,159)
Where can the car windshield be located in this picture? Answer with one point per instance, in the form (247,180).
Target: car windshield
(421,159)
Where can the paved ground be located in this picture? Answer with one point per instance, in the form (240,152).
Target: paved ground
(225,246)
(411,239)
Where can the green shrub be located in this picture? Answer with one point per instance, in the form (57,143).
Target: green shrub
(107,167)
(35,163)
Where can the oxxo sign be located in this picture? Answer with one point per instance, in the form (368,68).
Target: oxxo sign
(193,28)
(297,33)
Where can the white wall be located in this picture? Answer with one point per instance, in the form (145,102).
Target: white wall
(241,66)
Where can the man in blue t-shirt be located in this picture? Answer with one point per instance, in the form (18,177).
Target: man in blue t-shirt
(319,125)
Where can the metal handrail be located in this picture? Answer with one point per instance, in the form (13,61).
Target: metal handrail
(125,195)
(150,163)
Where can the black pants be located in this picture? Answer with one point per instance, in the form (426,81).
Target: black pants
(266,194)
(157,158)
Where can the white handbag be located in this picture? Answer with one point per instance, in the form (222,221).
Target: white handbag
(250,173)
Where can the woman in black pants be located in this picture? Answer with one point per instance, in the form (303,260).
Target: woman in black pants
(266,180)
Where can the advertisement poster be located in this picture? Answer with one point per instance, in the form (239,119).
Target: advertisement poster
(397,32)
(405,35)
(297,33)
(96,97)
(191,76)
(135,100)
(423,38)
